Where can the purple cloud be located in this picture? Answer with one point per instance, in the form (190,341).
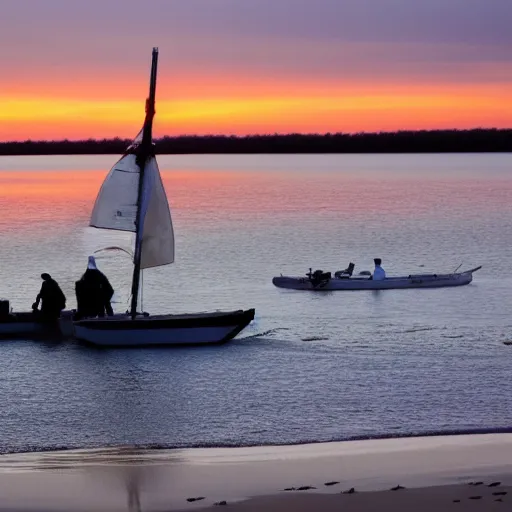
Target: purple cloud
(300,37)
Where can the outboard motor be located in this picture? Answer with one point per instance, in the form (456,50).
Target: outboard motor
(319,278)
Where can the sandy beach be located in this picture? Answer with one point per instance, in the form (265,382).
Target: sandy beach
(435,472)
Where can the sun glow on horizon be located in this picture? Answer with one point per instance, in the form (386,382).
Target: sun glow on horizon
(249,108)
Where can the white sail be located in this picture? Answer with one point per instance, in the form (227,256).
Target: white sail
(155,220)
(116,203)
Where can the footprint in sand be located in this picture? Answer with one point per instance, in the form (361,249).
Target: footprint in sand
(397,488)
(290,489)
(499,493)
(220,503)
(331,483)
(475,497)
(350,491)
(456,501)
(190,500)
(494,484)
(305,488)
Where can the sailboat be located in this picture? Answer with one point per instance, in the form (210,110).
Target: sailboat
(132,198)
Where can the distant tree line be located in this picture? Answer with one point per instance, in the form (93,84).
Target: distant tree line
(424,141)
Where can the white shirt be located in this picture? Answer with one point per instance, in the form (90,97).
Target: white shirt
(379,273)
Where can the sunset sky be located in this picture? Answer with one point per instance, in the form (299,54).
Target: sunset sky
(74,69)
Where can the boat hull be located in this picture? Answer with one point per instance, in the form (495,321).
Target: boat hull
(26,325)
(363,283)
(171,330)
(21,329)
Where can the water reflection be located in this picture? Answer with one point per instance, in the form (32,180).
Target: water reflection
(395,361)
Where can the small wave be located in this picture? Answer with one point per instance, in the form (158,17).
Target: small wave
(315,338)
(453,337)
(419,329)
(263,334)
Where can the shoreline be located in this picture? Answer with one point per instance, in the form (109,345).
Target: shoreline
(102,479)
(450,140)
(210,446)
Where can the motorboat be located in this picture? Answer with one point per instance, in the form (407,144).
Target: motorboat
(344,280)
(30,325)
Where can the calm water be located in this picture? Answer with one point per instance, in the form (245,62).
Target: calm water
(312,367)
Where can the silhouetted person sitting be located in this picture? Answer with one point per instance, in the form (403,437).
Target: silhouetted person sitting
(52,299)
(93,293)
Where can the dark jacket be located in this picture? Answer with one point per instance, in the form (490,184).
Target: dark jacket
(98,281)
(51,295)
(93,294)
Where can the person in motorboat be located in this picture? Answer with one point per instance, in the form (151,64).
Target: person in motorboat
(52,299)
(93,293)
(378,273)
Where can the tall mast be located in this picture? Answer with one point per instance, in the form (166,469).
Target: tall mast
(144,151)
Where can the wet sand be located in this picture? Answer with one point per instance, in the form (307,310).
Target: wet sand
(435,471)
(450,498)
